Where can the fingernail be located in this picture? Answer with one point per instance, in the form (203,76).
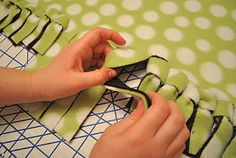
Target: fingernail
(111,73)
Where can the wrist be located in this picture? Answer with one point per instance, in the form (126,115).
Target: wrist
(36,86)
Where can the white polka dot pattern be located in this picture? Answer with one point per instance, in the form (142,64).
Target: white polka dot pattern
(211,72)
(193,35)
(173,34)
(145,32)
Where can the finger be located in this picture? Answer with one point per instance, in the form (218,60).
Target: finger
(98,35)
(131,119)
(154,117)
(178,145)
(108,48)
(97,77)
(155,97)
(172,126)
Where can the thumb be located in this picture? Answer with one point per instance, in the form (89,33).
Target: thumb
(96,77)
(132,118)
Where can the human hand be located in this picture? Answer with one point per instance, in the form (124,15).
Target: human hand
(160,132)
(67,75)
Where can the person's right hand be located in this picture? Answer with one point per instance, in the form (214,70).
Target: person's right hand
(160,132)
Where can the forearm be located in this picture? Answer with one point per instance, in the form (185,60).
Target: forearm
(16,87)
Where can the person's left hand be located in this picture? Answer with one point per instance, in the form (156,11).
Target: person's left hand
(67,75)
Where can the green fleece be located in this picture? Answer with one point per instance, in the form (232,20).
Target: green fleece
(200,131)
(13,12)
(71,121)
(175,84)
(51,33)
(230,151)
(224,108)
(15,26)
(29,26)
(219,141)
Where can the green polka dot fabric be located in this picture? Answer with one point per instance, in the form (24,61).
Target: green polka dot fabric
(196,37)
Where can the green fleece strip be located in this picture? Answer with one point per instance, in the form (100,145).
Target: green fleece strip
(116,84)
(208,99)
(201,130)
(4,9)
(56,111)
(230,151)
(126,55)
(175,83)
(30,24)
(234,118)
(150,83)
(63,20)
(51,33)
(159,67)
(49,36)
(43,21)
(169,92)
(14,11)
(224,108)
(177,79)
(84,103)
(192,92)
(189,96)
(36,109)
(15,26)
(219,141)
(185,105)
(14,1)
(41,61)
(133,93)
(52,13)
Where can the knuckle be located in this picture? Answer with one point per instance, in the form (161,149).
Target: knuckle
(164,109)
(172,103)
(179,118)
(140,140)
(186,133)
(181,147)
(154,94)
(99,75)
(157,96)
(94,31)
(151,94)
(103,76)
(109,129)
